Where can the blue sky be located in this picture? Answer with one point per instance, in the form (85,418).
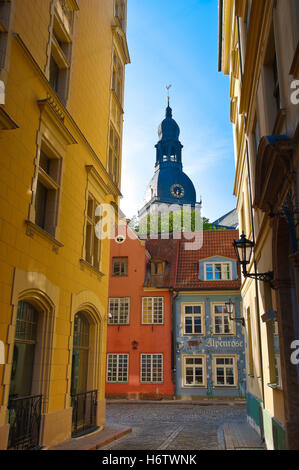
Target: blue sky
(176,42)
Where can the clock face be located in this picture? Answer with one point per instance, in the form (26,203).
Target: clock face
(177,190)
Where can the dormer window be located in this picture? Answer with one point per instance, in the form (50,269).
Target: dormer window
(157,268)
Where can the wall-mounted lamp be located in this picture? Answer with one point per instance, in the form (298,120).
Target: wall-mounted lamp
(230,310)
(244,249)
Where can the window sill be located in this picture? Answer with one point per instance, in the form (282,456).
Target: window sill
(117,99)
(275,386)
(83,262)
(295,64)
(226,335)
(194,386)
(192,335)
(226,386)
(33,229)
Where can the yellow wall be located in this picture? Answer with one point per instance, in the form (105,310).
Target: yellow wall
(23,249)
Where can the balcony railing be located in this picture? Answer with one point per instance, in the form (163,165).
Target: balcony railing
(24,417)
(84,412)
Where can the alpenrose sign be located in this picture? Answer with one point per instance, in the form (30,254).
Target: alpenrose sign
(215,343)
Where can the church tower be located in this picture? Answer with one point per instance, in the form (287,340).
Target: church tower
(169,185)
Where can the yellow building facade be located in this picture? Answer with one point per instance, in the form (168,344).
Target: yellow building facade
(62,66)
(259,51)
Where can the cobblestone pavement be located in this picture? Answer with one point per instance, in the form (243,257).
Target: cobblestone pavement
(172,426)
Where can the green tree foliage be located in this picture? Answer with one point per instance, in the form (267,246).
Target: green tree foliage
(188,220)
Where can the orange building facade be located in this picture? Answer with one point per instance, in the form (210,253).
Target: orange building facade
(139,324)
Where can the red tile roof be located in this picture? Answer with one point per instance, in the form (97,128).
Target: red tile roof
(165,250)
(214,243)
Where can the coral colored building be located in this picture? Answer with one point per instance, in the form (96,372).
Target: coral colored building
(139,323)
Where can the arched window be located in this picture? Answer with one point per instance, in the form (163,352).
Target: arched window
(80,354)
(24,350)
(83,401)
(24,407)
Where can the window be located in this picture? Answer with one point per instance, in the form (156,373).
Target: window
(117,77)
(24,350)
(117,367)
(47,190)
(151,368)
(276,90)
(54,74)
(80,354)
(218,271)
(61,48)
(119,266)
(114,154)
(222,325)
(256,134)
(92,242)
(271,84)
(194,371)
(152,310)
(5,8)
(224,371)
(157,268)
(192,319)
(274,353)
(119,310)
(120,13)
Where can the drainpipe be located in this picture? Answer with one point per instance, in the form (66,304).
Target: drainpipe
(173,296)
(252,227)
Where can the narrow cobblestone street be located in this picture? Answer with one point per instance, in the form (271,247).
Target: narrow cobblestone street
(172,426)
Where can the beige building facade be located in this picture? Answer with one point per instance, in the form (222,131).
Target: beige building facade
(259,51)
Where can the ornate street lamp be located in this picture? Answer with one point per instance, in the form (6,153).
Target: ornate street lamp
(244,249)
(230,310)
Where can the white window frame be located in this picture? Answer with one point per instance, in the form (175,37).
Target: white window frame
(225,366)
(117,356)
(184,315)
(152,322)
(225,314)
(193,366)
(222,263)
(121,301)
(151,381)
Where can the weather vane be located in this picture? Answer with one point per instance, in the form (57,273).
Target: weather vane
(168,88)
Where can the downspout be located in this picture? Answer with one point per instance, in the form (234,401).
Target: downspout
(173,296)
(252,228)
